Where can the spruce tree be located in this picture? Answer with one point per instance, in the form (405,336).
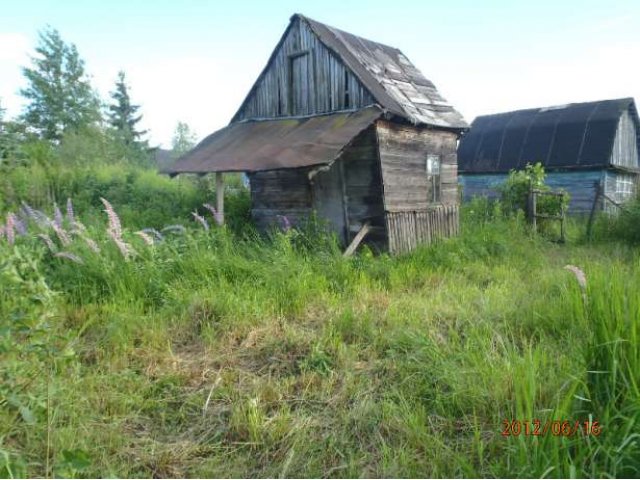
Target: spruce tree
(59,93)
(123,115)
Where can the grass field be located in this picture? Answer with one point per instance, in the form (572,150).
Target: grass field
(213,353)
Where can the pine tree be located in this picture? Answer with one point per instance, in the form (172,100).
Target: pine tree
(59,91)
(122,114)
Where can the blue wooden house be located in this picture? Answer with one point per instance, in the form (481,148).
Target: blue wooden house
(580,145)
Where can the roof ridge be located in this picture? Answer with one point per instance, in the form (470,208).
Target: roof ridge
(332,28)
(558,106)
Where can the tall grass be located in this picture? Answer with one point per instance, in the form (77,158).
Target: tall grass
(214,353)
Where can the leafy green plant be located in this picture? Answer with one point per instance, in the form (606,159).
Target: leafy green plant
(514,192)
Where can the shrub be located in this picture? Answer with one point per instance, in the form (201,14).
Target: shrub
(514,192)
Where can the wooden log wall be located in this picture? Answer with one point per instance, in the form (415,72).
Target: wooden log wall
(303,77)
(277,193)
(407,230)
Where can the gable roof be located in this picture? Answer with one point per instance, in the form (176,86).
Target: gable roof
(394,82)
(577,135)
(257,145)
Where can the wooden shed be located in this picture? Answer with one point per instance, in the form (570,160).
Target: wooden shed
(348,128)
(582,146)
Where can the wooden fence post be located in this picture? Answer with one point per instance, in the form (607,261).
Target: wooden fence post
(593,208)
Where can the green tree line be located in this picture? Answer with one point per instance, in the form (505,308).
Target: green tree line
(64,120)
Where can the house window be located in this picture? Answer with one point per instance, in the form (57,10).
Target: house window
(433,177)
(624,187)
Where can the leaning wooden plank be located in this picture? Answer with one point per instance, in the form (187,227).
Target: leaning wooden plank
(358,238)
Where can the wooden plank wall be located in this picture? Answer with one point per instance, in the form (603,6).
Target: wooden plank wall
(280,192)
(318,75)
(579,185)
(403,156)
(625,144)
(412,217)
(363,189)
(407,230)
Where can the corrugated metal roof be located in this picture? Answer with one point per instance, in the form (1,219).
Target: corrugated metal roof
(577,135)
(272,144)
(390,77)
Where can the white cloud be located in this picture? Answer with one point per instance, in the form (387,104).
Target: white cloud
(14,49)
(197,90)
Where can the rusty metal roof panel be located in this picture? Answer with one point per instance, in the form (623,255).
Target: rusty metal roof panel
(273,144)
(396,84)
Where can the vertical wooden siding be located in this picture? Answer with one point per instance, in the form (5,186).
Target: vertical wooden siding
(407,230)
(625,144)
(412,217)
(403,157)
(363,188)
(319,78)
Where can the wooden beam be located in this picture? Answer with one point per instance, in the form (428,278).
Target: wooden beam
(220,198)
(356,241)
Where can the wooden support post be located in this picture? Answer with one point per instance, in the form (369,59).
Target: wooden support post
(562,219)
(356,241)
(220,198)
(592,214)
(534,212)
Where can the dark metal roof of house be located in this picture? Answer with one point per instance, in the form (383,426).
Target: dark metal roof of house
(396,84)
(272,144)
(577,135)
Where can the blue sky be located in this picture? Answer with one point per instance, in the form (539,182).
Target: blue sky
(194,61)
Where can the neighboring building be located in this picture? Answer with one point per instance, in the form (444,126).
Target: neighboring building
(348,128)
(162,158)
(580,146)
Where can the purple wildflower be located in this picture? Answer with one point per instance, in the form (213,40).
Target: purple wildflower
(115,229)
(47,241)
(28,209)
(57,216)
(36,215)
(200,220)
(68,256)
(174,229)
(579,274)
(61,234)
(20,226)
(285,223)
(211,209)
(70,214)
(158,236)
(124,248)
(9,228)
(92,244)
(148,239)
(78,227)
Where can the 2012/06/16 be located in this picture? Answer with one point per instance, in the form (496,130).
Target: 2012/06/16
(557,428)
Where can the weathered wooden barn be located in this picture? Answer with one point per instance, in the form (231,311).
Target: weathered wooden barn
(348,128)
(583,146)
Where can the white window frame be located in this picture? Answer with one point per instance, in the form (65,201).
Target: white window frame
(433,169)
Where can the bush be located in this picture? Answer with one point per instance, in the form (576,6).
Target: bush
(514,191)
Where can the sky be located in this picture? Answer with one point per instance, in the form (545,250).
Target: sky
(195,61)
